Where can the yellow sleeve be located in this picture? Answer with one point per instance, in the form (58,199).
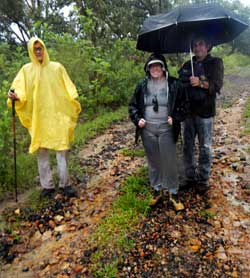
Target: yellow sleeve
(19,86)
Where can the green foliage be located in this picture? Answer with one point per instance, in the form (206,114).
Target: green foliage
(90,129)
(207,214)
(105,78)
(35,202)
(233,63)
(133,152)
(5,144)
(107,271)
(247,110)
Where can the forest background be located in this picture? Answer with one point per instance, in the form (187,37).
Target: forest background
(96,43)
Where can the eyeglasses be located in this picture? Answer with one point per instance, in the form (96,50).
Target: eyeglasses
(38,49)
(155,103)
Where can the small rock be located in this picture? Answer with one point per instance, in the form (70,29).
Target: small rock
(52,224)
(58,219)
(17,212)
(60,228)
(78,268)
(220,253)
(46,235)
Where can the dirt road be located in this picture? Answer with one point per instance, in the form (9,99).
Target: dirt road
(210,239)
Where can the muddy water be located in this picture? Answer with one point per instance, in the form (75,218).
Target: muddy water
(231,193)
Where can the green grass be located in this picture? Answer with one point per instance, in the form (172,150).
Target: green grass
(207,214)
(133,152)
(89,130)
(246,117)
(111,235)
(234,63)
(26,172)
(35,202)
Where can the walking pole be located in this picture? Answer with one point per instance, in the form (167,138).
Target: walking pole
(14,142)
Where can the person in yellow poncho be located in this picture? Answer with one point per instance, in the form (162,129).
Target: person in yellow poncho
(46,105)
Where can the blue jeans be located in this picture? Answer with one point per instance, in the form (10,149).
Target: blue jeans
(202,127)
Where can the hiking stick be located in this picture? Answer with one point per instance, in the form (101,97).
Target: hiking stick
(14,142)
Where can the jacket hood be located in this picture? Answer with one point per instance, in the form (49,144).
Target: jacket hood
(32,56)
(155,58)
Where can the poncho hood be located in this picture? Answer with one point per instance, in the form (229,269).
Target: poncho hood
(32,56)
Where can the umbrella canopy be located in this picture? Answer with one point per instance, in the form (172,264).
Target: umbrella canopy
(173,32)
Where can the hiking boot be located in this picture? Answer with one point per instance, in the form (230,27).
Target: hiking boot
(174,199)
(47,193)
(68,191)
(156,198)
(202,187)
(187,184)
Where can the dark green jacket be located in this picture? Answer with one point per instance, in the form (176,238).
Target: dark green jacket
(203,101)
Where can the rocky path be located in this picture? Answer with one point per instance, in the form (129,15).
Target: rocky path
(209,239)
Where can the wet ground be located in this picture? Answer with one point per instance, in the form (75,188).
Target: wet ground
(209,239)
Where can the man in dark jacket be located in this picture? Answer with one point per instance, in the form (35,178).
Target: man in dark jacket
(202,89)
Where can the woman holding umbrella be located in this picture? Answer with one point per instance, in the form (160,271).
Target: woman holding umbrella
(153,109)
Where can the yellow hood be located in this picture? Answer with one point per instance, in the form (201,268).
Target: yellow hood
(31,52)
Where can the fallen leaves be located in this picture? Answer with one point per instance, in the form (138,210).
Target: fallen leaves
(194,244)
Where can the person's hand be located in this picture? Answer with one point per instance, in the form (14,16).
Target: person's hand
(13,95)
(142,123)
(170,120)
(194,81)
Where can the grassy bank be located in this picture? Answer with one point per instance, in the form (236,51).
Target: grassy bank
(110,240)
(246,117)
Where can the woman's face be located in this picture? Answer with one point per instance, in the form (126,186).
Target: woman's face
(156,71)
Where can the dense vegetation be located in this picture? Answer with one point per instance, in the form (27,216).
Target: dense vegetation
(96,44)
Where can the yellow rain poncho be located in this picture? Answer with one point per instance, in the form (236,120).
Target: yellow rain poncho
(47,104)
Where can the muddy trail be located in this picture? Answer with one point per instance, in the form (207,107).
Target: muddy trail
(46,239)
(210,238)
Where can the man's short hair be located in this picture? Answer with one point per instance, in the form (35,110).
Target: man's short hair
(201,38)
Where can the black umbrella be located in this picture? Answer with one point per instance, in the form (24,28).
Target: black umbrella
(173,32)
